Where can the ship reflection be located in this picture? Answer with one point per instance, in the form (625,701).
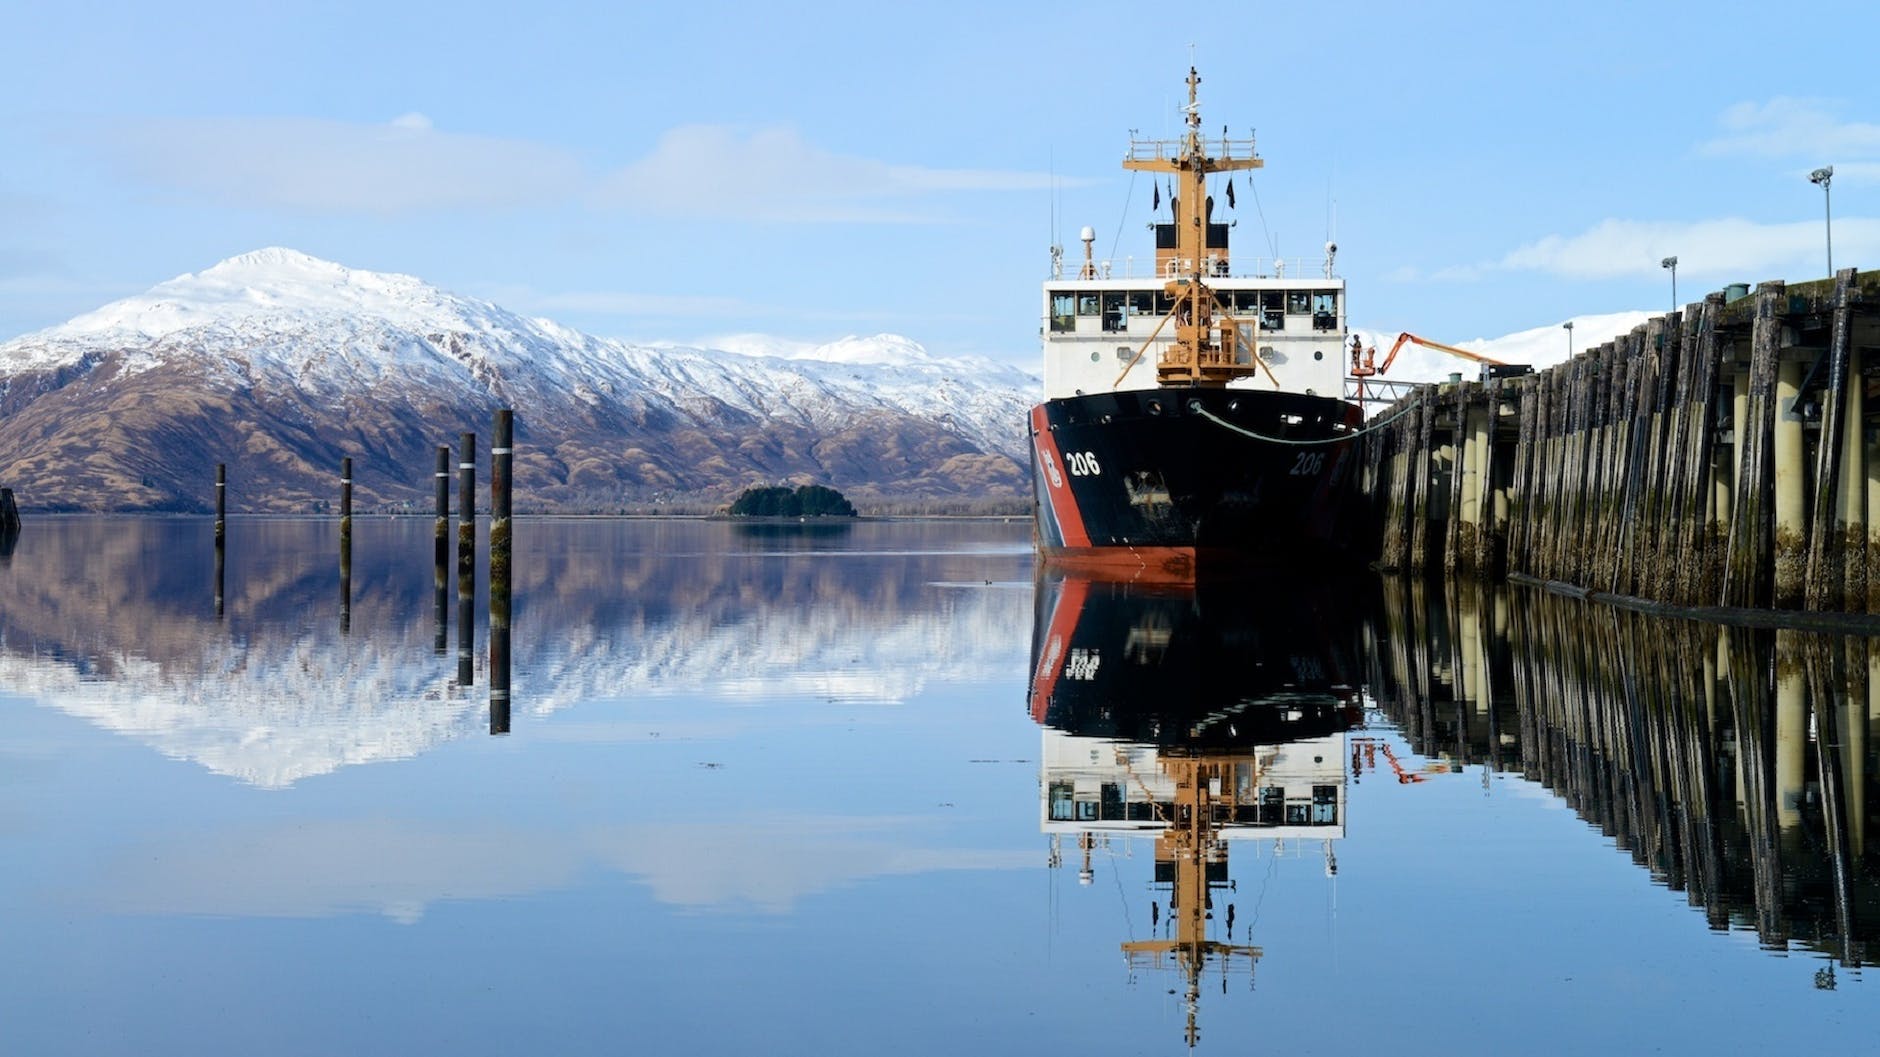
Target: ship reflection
(1201,720)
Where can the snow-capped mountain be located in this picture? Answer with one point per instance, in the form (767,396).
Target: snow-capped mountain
(280,364)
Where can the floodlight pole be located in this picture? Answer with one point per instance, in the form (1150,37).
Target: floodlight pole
(1824,176)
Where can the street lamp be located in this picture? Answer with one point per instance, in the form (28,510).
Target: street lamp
(1672,263)
(1822,176)
(1568,327)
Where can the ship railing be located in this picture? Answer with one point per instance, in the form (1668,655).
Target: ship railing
(1132,267)
(1217,147)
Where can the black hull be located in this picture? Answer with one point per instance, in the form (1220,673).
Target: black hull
(1160,477)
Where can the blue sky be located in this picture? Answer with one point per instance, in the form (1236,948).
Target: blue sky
(689,171)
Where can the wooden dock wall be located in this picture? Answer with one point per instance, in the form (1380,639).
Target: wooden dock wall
(1721,455)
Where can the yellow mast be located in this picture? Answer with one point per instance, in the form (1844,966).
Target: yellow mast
(1207,350)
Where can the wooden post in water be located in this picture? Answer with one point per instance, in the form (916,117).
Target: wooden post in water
(1791,530)
(502,449)
(1838,452)
(9,525)
(466,556)
(345,545)
(501,452)
(467,507)
(1748,575)
(441,482)
(221,519)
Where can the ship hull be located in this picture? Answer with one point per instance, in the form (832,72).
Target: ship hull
(1172,483)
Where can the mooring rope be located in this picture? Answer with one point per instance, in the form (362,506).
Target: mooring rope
(1245,432)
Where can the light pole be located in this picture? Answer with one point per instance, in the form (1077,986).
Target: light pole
(1672,263)
(1822,176)
(1568,327)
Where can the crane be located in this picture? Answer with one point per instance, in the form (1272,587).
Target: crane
(1365,365)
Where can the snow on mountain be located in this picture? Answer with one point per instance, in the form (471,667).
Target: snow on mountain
(1540,347)
(280,323)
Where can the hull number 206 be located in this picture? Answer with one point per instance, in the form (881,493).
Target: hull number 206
(1308,463)
(1082,463)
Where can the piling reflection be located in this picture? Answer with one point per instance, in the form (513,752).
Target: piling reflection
(1733,764)
(1199,721)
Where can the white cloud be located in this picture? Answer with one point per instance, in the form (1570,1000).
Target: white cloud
(319,164)
(1790,128)
(773,174)
(406,164)
(1727,248)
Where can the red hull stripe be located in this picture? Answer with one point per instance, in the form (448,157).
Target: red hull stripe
(1057,643)
(1057,486)
(1155,565)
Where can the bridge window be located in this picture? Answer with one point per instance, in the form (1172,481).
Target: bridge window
(1088,304)
(1141,302)
(1272,310)
(1324,309)
(1063,313)
(1115,312)
(1298,302)
(1324,805)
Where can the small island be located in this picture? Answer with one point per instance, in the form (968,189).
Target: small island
(806,501)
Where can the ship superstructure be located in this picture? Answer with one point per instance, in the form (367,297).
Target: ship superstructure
(1192,408)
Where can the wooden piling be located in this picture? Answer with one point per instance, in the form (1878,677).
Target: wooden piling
(345,545)
(502,443)
(1791,529)
(501,452)
(221,519)
(467,506)
(1749,572)
(1828,549)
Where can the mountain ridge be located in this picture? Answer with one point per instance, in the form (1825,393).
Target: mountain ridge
(280,363)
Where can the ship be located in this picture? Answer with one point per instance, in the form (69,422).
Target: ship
(1194,412)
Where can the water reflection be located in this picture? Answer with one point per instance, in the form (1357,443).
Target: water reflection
(1200,720)
(1733,764)
(238,659)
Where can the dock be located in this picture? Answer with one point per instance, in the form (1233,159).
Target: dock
(1721,455)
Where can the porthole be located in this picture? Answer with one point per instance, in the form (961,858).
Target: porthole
(1318,354)
(1095,356)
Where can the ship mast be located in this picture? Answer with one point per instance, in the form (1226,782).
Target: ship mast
(1208,350)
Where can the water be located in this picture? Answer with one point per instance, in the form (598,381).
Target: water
(875,790)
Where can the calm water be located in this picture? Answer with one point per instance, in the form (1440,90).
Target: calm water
(876,791)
